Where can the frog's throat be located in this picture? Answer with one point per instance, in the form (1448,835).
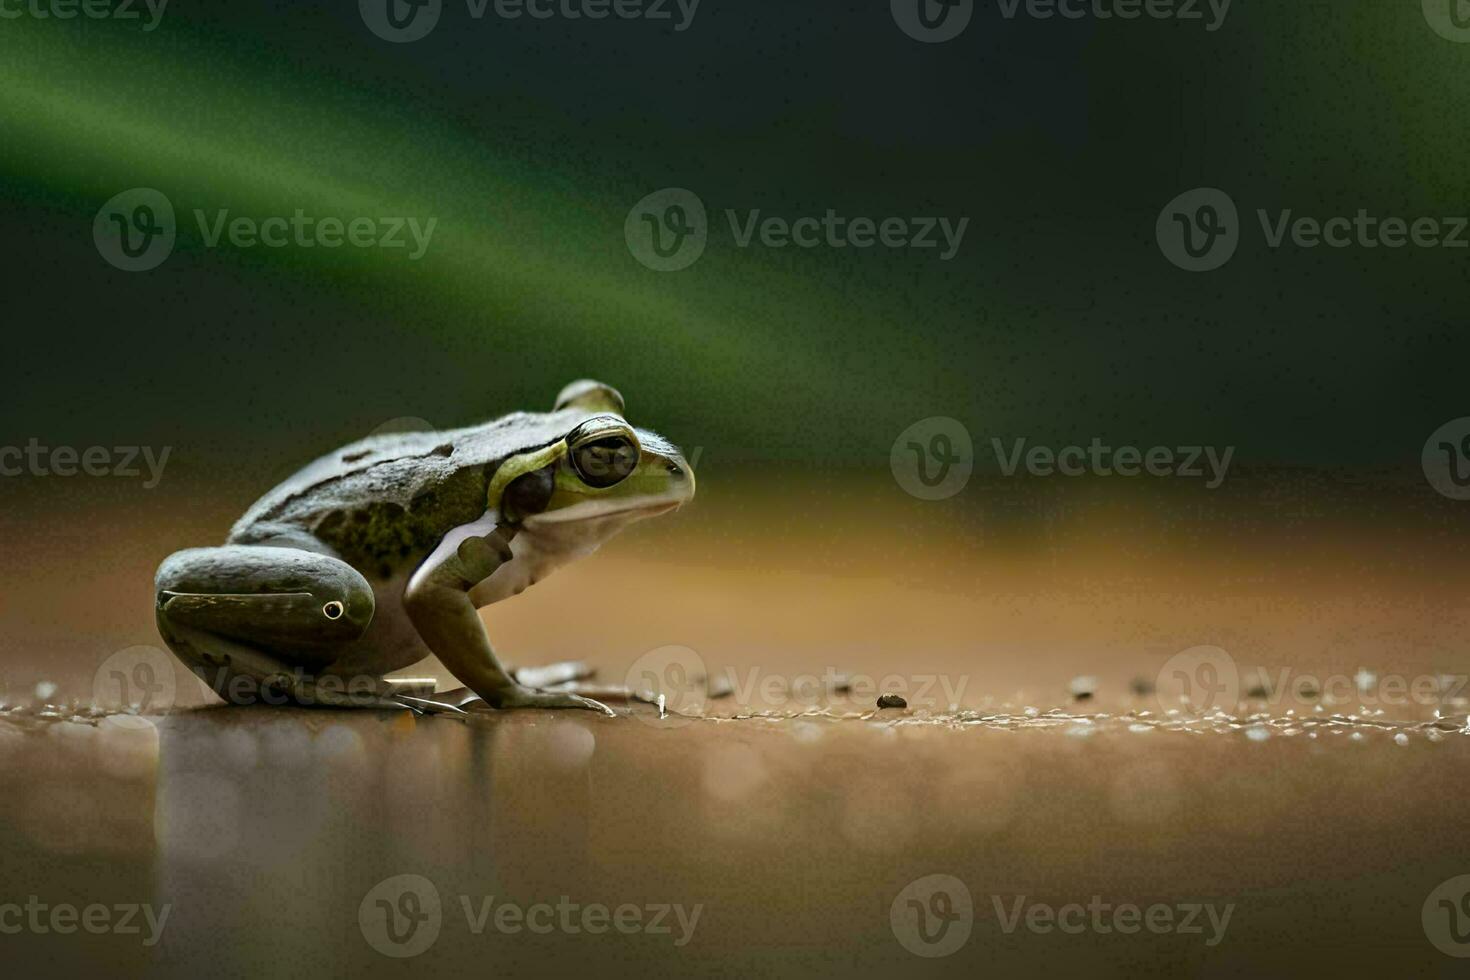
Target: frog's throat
(518,466)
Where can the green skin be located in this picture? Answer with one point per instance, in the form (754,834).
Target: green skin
(379,555)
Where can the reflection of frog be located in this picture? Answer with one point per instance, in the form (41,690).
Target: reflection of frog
(378,555)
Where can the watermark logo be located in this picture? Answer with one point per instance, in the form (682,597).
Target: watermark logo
(811,690)
(672,919)
(91,9)
(933,458)
(36,459)
(295,686)
(1204,919)
(135,230)
(1446,917)
(1184,11)
(1446,459)
(124,919)
(675,679)
(1207,678)
(936,21)
(1098,459)
(933,21)
(401,21)
(139,679)
(306,231)
(1204,677)
(932,916)
(401,916)
(1199,230)
(1450,19)
(668,230)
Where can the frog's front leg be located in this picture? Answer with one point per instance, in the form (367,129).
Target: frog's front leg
(257,622)
(438,603)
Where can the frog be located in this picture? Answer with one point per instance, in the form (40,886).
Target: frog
(379,556)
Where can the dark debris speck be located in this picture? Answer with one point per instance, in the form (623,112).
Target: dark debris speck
(892,701)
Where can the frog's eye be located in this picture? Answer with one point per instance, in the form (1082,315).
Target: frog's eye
(604,459)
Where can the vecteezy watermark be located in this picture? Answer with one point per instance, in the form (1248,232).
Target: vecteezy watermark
(675,679)
(1446,917)
(91,9)
(296,686)
(140,679)
(1450,19)
(678,682)
(934,916)
(933,458)
(936,21)
(932,21)
(1207,920)
(1207,678)
(755,686)
(1446,459)
(136,231)
(1200,230)
(124,919)
(403,916)
(669,229)
(402,21)
(1098,459)
(35,459)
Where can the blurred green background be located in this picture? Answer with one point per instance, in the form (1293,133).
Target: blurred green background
(530,140)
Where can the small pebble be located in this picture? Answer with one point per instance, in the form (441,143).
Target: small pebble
(1401,739)
(892,701)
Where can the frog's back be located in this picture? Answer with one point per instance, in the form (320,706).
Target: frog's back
(389,498)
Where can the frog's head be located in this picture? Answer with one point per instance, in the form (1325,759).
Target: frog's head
(598,478)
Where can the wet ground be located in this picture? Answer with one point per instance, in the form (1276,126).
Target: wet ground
(1101,794)
(770,844)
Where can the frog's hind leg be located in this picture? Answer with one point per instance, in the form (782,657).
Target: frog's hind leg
(260,623)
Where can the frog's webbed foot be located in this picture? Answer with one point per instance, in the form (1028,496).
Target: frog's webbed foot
(429,705)
(524,697)
(462,701)
(426,701)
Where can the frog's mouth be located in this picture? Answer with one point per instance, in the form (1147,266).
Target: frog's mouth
(596,510)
